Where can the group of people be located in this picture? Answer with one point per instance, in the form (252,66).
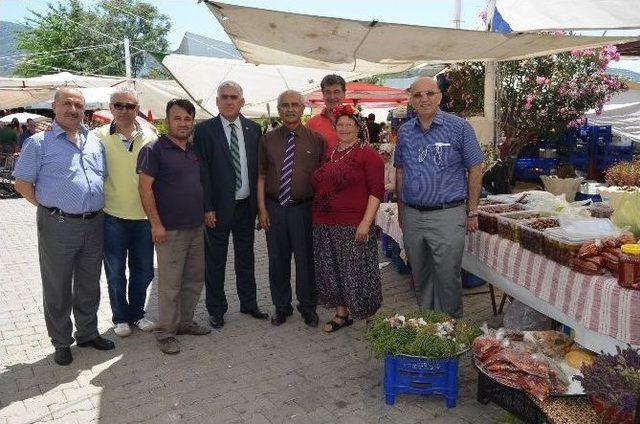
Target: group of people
(112,194)
(14,134)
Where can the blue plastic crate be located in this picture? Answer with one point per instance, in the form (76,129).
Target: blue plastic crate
(471,281)
(420,376)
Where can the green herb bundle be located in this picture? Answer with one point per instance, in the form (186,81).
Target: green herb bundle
(393,334)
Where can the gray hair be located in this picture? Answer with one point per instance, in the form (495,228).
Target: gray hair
(129,91)
(229,84)
(59,90)
(284,93)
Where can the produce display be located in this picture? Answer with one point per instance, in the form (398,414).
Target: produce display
(601,210)
(559,247)
(532,233)
(488,216)
(529,361)
(596,257)
(508,223)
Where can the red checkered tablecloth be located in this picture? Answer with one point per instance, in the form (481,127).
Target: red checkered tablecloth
(596,302)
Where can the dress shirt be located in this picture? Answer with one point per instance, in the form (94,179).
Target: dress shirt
(243,191)
(67,176)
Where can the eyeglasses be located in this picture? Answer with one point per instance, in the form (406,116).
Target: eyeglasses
(421,94)
(122,106)
(290,105)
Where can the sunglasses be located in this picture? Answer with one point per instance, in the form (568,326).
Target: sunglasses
(122,106)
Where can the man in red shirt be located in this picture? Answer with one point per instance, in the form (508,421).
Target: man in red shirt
(333,91)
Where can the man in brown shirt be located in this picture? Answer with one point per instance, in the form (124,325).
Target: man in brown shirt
(286,160)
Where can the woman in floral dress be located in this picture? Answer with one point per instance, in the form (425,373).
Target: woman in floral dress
(348,186)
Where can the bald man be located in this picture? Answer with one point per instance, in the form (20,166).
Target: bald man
(438,177)
(61,172)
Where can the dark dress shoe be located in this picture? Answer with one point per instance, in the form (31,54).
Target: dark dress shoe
(99,343)
(279,318)
(310,318)
(255,313)
(216,321)
(63,356)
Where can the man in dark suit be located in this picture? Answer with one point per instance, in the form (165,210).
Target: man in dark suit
(227,146)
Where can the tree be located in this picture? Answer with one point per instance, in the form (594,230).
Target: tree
(72,37)
(539,97)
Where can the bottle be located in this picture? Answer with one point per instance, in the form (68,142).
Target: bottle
(629,266)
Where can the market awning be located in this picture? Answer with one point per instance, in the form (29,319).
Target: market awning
(272,37)
(261,84)
(540,15)
(362,93)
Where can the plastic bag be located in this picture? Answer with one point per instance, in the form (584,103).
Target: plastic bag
(522,317)
(626,214)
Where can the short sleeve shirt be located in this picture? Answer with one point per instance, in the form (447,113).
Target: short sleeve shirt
(176,187)
(324,126)
(66,175)
(435,162)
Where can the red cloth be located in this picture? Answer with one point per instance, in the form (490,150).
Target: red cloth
(325,127)
(342,186)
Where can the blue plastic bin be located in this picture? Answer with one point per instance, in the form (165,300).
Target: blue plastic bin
(420,376)
(470,281)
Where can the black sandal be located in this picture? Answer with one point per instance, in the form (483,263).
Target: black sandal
(335,326)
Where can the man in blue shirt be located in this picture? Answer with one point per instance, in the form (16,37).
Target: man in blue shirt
(61,171)
(438,175)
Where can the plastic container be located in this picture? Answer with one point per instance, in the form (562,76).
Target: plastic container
(488,216)
(471,281)
(532,233)
(629,266)
(420,376)
(561,246)
(509,223)
(601,210)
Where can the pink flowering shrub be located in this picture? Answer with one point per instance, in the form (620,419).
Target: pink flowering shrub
(539,97)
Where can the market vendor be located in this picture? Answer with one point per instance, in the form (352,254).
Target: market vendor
(438,175)
(333,89)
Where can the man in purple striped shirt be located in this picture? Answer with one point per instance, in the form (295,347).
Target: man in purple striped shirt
(287,158)
(438,176)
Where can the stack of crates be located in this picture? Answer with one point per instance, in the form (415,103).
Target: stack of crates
(574,148)
(603,149)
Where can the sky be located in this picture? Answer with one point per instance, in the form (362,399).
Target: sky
(188,15)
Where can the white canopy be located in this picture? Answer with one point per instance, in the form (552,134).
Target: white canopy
(22,117)
(272,37)
(538,15)
(38,92)
(261,84)
(622,113)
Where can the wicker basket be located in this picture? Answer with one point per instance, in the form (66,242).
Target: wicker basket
(508,223)
(532,238)
(488,216)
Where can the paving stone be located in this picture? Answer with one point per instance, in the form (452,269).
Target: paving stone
(247,372)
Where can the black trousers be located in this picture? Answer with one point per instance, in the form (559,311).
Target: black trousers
(242,227)
(291,233)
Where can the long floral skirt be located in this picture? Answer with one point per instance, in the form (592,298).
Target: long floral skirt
(346,271)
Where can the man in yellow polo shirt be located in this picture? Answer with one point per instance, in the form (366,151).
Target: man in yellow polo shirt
(127,233)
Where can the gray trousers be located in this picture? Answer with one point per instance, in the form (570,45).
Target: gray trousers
(291,232)
(180,279)
(434,242)
(70,251)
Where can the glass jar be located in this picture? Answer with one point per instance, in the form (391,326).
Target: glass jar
(629,266)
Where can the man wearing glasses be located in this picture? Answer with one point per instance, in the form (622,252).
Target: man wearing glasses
(438,174)
(127,233)
(286,160)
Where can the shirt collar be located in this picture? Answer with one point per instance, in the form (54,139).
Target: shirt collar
(58,130)
(438,119)
(236,122)
(113,129)
(167,143)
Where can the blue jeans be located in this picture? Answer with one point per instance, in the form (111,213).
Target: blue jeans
(127,238)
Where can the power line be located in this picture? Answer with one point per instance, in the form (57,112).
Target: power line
(59,69)
(127,12)
(116,61)
(61,52)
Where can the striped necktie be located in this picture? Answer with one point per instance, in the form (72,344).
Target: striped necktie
(235,155)
(284,194)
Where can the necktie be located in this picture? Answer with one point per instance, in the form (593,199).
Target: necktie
(284,194)
(235,155)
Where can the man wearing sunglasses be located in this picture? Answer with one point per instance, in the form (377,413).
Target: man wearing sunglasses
(438,176)
(127,234)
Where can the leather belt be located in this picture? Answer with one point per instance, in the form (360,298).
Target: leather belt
(85,215)
(291,202)
(437,207)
